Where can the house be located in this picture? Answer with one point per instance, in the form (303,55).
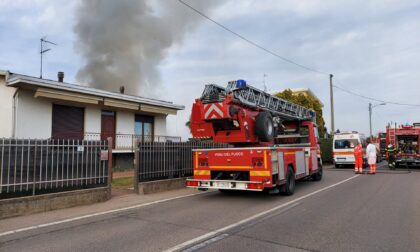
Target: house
(31,107)
(306,92)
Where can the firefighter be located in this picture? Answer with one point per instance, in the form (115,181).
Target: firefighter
(390,150)
(371,156)
(358,159)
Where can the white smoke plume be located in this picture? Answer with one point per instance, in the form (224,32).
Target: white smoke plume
(123,41)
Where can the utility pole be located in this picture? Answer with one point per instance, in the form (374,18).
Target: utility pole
(332,105)
(370,119)
(370,115)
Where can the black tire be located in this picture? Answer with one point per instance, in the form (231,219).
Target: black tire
(264,127)
(318,176)
(289,187)
(336,165)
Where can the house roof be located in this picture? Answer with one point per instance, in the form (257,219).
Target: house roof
(14,79)
(305,90)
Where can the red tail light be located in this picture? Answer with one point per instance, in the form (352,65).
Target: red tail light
(258,186)
(192,183)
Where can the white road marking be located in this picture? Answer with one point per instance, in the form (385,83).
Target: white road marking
(222,236)
(221,230)
(96,214)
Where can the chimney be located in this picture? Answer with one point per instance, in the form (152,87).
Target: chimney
(122,89)
(60,76)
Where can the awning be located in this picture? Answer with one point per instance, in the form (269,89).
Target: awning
(67,96)
(157,110)
(121,104)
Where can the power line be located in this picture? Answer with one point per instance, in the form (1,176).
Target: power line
(290,61)
(252,42)
(375,99)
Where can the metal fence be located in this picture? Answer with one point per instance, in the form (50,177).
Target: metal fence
(156,160)
(127,142)
(29,167)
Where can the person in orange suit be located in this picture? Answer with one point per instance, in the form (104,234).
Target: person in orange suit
(358,159)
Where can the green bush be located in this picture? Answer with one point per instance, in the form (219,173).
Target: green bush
(326,150)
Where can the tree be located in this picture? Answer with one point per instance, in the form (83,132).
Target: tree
(306,101)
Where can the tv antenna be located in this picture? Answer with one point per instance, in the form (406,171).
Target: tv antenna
(42,51)
(265,87)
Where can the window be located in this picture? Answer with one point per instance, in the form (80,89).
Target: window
(345,143)
(143,127)
(67,122)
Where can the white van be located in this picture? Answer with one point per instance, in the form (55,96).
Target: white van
(343,147)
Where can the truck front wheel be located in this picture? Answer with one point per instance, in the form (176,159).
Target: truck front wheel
(289,187)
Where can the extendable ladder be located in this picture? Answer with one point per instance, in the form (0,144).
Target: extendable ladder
(255,98)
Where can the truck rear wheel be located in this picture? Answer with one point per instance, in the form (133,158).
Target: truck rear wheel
(289,187)
(264,127)
(318,176)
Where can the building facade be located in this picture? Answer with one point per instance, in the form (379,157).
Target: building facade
(31,107)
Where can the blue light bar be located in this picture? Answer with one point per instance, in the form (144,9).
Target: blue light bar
(240,84)
(312,113)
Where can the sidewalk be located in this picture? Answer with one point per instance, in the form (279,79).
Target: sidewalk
(116,202)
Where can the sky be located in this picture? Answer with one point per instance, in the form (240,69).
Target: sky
(371,47)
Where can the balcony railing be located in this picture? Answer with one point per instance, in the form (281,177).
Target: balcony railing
(127,142)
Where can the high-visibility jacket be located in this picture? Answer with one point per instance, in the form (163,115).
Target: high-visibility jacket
(358,152)
(391,150)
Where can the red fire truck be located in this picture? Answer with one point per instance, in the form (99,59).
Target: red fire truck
(405,138)
(274,142)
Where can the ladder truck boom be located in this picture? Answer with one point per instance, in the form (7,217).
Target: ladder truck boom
(242,114)
(258,99)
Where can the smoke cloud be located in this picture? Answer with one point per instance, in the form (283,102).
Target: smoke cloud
(122,42)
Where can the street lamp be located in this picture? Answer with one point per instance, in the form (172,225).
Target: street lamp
(370,115)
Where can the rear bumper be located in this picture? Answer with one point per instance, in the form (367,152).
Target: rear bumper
(226,185)
(346,161)
(343,162)
(407,162)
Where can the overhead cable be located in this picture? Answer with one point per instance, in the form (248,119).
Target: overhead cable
(252,42)
(249,41)
(375,99)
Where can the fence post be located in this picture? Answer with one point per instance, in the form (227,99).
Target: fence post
(136,166)
(109,166)
(34,175)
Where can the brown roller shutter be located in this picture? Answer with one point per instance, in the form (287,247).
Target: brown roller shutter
(67,122)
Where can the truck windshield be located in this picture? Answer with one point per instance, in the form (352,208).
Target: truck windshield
(345,143)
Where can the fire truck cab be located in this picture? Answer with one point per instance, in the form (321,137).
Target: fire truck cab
(274,142)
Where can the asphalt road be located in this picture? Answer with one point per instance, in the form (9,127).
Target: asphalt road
(343,212)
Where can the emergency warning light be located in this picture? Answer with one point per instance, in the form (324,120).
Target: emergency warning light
(312,113)
(240,84)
